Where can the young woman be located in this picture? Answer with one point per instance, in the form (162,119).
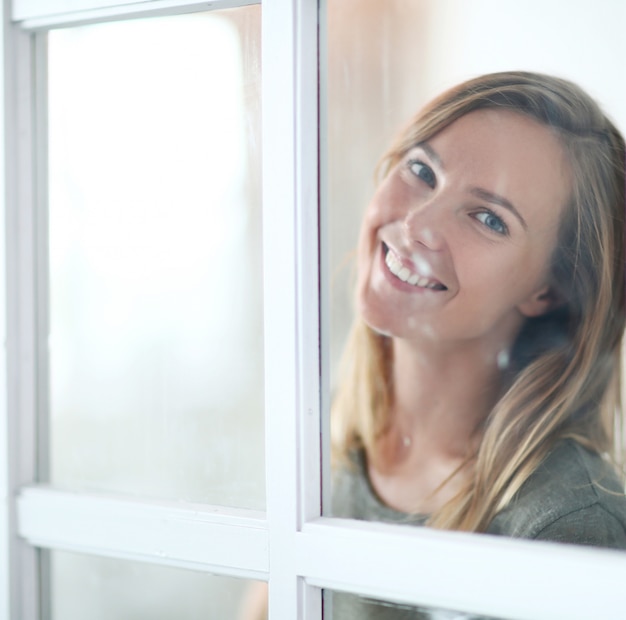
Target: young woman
(482,378)
(481,382)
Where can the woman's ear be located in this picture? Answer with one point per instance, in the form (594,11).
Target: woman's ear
(540,302)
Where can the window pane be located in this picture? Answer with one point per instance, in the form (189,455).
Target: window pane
(106,589)
(156,378)
(385,62)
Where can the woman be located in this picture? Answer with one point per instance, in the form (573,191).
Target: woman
(481,382)
(482,376)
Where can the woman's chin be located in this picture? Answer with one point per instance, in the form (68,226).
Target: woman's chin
(379,330)
(377,319)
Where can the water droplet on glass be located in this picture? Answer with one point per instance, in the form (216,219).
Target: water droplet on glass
(503,359)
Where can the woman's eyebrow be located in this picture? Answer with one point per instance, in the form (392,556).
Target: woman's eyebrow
(430,151)
(484,194)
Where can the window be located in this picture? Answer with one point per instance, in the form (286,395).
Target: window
(134,532)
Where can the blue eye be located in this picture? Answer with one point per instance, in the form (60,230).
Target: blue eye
(493,222)
(423,172)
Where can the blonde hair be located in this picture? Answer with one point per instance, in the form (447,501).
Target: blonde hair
(564,379)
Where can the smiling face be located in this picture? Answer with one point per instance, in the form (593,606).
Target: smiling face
(456,243)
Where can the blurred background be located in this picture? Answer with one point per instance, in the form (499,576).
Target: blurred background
(156,349)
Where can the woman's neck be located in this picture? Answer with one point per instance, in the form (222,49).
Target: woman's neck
(439,403)
(441,397)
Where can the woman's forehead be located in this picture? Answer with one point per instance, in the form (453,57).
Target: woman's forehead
(505,147)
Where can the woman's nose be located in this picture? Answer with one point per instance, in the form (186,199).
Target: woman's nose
(425,225)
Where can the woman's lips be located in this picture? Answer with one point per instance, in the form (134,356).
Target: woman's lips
(404,271)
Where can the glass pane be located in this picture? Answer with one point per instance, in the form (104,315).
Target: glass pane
(107,589)
(346,606)
(372,50)
(386,60)
(156,377)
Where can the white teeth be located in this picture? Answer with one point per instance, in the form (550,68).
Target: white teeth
(404,274)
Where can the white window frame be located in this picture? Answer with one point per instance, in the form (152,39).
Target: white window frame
(291,545)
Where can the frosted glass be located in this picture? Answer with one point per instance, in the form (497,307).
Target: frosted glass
(156,347)
(85,586)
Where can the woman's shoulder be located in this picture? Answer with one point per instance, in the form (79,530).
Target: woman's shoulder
(574,496)
(354,498)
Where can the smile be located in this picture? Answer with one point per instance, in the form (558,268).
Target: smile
(402,272)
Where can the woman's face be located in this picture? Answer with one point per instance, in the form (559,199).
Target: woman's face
(456,243)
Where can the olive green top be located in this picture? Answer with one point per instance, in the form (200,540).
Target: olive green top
(574,497)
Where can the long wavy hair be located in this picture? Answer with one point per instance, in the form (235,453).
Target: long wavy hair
(564,377)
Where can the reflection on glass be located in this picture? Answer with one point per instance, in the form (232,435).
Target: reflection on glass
(480,382)
(155,257)
(106,589)
(348,606)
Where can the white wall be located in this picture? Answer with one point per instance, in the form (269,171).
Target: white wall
(579,40)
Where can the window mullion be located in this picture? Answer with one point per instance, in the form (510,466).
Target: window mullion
(19,411)
(280,326)
(40,14)
(486,575)
(291,293)
(226,541)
